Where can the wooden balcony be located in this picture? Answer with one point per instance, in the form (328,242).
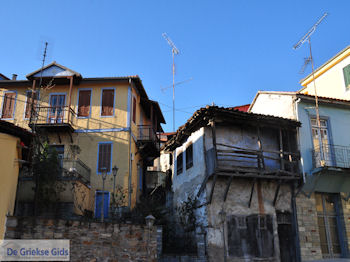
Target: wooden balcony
(148,141)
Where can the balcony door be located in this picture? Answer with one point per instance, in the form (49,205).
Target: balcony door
(56,110)
(324,153)
(329,225)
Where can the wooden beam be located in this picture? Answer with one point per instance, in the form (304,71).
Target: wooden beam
(228,187)
(251,193)
(212,188)
(260,198)
(276,193)
(261,155)
(254,175)
(281,149)
(213,132)
(204,183)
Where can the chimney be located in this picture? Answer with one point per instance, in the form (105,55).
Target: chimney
(14,77)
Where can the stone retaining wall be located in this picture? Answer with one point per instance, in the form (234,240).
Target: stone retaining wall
(91,241)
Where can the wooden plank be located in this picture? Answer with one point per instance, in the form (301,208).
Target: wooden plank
(261,155)
(212,188)
(281,149)
(251,193)
(276,193)
(228,187)
(254,175)
(213,132)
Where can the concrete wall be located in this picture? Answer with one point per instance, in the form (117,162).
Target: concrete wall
(9,154)
(331,83)
(92,241)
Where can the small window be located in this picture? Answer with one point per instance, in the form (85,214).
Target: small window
(170,159)
(29,102)
(84,103)
(189,156)
(179,165)
(8,106)
(104,157)
(134,110)
(346,72)
(107,102)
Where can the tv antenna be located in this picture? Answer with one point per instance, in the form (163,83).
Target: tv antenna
(174,52)
(307,61)
(307,38)
(163,89)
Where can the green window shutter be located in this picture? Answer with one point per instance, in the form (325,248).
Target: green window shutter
(346,71)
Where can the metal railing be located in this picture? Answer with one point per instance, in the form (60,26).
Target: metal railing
(331,156)
(147,133)
(75,168)
(53,115)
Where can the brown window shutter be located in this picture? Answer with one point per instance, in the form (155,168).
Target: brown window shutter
(84,103)
(107,102)
(104,157)
(134,110)
(30,99)
(8,105)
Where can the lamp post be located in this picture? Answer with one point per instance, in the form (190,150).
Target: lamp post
(115,171)
(104,176)
(149,222)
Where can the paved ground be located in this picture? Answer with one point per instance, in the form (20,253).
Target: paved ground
(331,260)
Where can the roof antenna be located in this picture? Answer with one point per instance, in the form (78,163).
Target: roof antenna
(174,52)
(307,37)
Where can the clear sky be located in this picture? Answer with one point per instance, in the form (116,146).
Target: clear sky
(230,49)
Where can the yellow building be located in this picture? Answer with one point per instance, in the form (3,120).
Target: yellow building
(94,124)
(12,140)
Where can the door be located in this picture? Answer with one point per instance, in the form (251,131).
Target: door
(285,236)
(99,199)
(329,224)
(324,154)
(60,154)
(56,111)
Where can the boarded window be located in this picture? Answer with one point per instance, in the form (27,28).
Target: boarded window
(30,99)
(8,105)
(107,102)
(134,109)
(250,236)
(346,72)
(179,165)
(189,156)
(104,157)
(84,103)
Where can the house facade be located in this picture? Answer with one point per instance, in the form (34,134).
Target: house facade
(239,171)
(323,201)
(95,125)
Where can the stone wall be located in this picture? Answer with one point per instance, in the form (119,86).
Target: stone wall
(92,241)
(309,237)
(346,216)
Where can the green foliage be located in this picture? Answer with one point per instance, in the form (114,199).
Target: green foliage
(187,213)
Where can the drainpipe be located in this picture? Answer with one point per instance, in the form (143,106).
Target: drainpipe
(296,103)
(129,152)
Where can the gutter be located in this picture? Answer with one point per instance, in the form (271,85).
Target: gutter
(129,152)
(296,102)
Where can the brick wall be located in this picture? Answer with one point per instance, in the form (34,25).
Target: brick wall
(91,241)
(346,217)
(309,237)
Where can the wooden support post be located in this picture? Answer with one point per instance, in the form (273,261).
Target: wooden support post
(228,186)
(212,188)
(213,132)
(204,183)
(251,193)
(70,96)
(261,151)
(281,149)
(260,198)
(276,193)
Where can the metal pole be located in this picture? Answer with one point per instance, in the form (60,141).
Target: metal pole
(316,106)
(173,52)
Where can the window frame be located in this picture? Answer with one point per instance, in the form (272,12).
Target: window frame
(64,105)
(26,102)
(189,164)
(347,88)
(77,112)
(98,158)
(14,106)
(177,163)
(101,95)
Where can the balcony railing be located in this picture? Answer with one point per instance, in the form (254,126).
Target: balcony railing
(331,156)
(54,115)
(147,133)
(71,169)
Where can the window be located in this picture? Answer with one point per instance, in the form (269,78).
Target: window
(179,165)
(134,109)
(104,157)
(29,102)
(346,72)
(189,156)
(8,106)
(57,107)
(107,104)
(324,155)
(84,103)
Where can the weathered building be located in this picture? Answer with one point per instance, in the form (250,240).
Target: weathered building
(238,171)
(323,202)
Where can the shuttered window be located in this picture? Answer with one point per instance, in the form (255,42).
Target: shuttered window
(84,103)
(134,109)
(179,164)
(189,156)
(30,99)
(346,72)
(107,102)
(104,157)
(8,105)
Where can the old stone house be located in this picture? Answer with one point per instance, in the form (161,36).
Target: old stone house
(241,171)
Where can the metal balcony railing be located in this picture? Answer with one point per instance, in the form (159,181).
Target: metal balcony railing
(75,169)
(331,156)
(53,115)
(147,133)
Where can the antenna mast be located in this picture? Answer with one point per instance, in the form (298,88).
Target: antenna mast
(307,37)
(174,52)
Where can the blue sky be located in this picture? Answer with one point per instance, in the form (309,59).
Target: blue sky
(231,49)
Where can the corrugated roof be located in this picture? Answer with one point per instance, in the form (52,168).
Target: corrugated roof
(202,116)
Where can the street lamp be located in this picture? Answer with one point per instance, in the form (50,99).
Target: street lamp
(104,176)
(115,171)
